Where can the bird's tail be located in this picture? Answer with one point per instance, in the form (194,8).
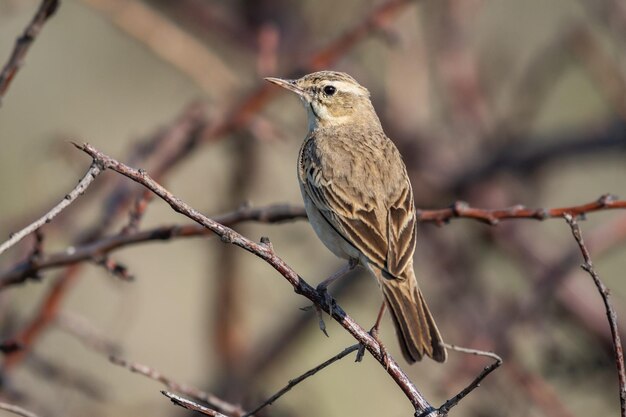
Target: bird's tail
(415,326)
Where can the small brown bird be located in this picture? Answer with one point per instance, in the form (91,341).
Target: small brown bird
(359,200)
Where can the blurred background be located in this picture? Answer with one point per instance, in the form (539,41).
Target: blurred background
(495,103)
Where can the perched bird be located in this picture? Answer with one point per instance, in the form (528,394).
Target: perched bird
(359,200)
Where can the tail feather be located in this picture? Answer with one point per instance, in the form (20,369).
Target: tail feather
(415,326)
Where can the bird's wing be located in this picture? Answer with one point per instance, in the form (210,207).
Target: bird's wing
(401,232)
(383,231)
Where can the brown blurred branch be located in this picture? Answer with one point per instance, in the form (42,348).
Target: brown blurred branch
(169,42)
(241,113)
(610,311)
(91,174)
(265,252)
(16,410)
(190,405)
(531,153)
(46,315)
(214,401)
(293,382)
(24,42)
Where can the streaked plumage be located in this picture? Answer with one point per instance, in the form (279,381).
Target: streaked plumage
(359,200)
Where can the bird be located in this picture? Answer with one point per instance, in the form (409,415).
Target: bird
(359,200)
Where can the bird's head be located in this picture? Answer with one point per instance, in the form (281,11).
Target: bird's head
(331,98)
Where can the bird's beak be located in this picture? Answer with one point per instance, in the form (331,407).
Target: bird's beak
(289,85)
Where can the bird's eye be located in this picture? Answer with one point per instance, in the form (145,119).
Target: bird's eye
(329,90)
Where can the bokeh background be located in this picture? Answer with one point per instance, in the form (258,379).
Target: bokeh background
(495,103)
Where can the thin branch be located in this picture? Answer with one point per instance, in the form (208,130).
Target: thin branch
(91,251)
(461,209)
(91,174)
(24,42)
(292,383)
(216,402)
(190,405)
(445,407)
(265,252)
(610,311)
(16,410)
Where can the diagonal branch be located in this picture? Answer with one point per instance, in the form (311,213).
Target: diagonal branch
(610,311)
(265,252)
(91,174)
(24,42)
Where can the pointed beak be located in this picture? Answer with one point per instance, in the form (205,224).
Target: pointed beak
(289,85)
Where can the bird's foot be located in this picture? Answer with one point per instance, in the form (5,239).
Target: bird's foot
(327,299)
(383,350)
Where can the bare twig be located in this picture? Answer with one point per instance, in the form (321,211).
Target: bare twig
(190,405)
(16,410)
(292,383)
(216,402)
(266,253)
(101,247)
(445,408)
(91,174)
(610,311)
(24,42)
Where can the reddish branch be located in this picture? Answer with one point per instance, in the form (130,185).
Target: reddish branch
(24,42)
(272,214)
(44,317)
(266,253)
(494,216)
(610,311)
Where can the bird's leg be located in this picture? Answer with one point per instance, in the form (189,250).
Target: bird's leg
(352,263)
(322,289)
(374,333)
